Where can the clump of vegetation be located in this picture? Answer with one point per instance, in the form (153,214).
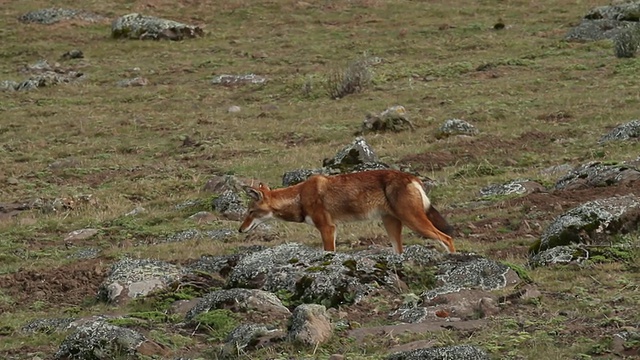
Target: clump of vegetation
(351,80)
(625,45)
(218,323)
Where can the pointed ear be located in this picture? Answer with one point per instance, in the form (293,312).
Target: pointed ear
(253,193)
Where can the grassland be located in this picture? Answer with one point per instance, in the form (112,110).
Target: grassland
(541,102)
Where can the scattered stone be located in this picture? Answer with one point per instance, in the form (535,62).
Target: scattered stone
(241,300)
(137,26)
(621,12)
(101,340)
(219,184)
(44,76)
(72,54)
(203,217)
(137,81)
(593,222)
(50,16)
(130,278)
(458,352)
(623,132)
(65,163)
(310,325)
(137,211)
(392,119)
(233,109)
(454,127)
(357,153)
(230,80)
(86,253)
(517,187)
(597,174)
(626,343)
(81,234)
(230,205)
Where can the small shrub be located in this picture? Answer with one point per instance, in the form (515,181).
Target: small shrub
(625,45)
(351,80)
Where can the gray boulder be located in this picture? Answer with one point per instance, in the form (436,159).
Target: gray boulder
(597,174)
(605,22)
(137,26)
(230,205)
(50,325)
(131,278)
(454,127)
(564,254)
(593,222)
(457,352)
(240,300)
(630,130)
(629,11)
(310,325)
(393,118)
(50,16)
(355,157)
(100,340)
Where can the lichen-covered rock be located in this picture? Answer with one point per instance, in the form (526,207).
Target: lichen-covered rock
(356,153)
(593,222)
(595,30)
(297,176)
(44,79)
(231,80)
(597,174)
(219,184)
(393,118)
(630,130)
(310,275)
(100,340)
(574,253)
(48,325)
(621,12)
(137,26)
(466,271)
(605,22)
(456,352)
(134,82)
(240,300)
(453,127)
(310,325)
(230,205)
(50,16)
(131,278)
(85,253)
(517,187)
(355,157)
(222,264)
(243,338)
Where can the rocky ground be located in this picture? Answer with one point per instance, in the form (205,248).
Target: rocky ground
(548,259)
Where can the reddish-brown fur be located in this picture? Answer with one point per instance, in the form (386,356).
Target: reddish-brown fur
(395,197)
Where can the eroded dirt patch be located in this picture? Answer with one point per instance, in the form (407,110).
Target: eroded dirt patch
(66,285)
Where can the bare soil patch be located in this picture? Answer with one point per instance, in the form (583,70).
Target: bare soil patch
(67,285)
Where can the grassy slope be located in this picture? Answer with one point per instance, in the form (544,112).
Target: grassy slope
(110,130)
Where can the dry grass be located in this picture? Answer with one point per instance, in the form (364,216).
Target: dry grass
(126,143)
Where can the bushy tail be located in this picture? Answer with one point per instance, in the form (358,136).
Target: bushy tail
(438,221)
